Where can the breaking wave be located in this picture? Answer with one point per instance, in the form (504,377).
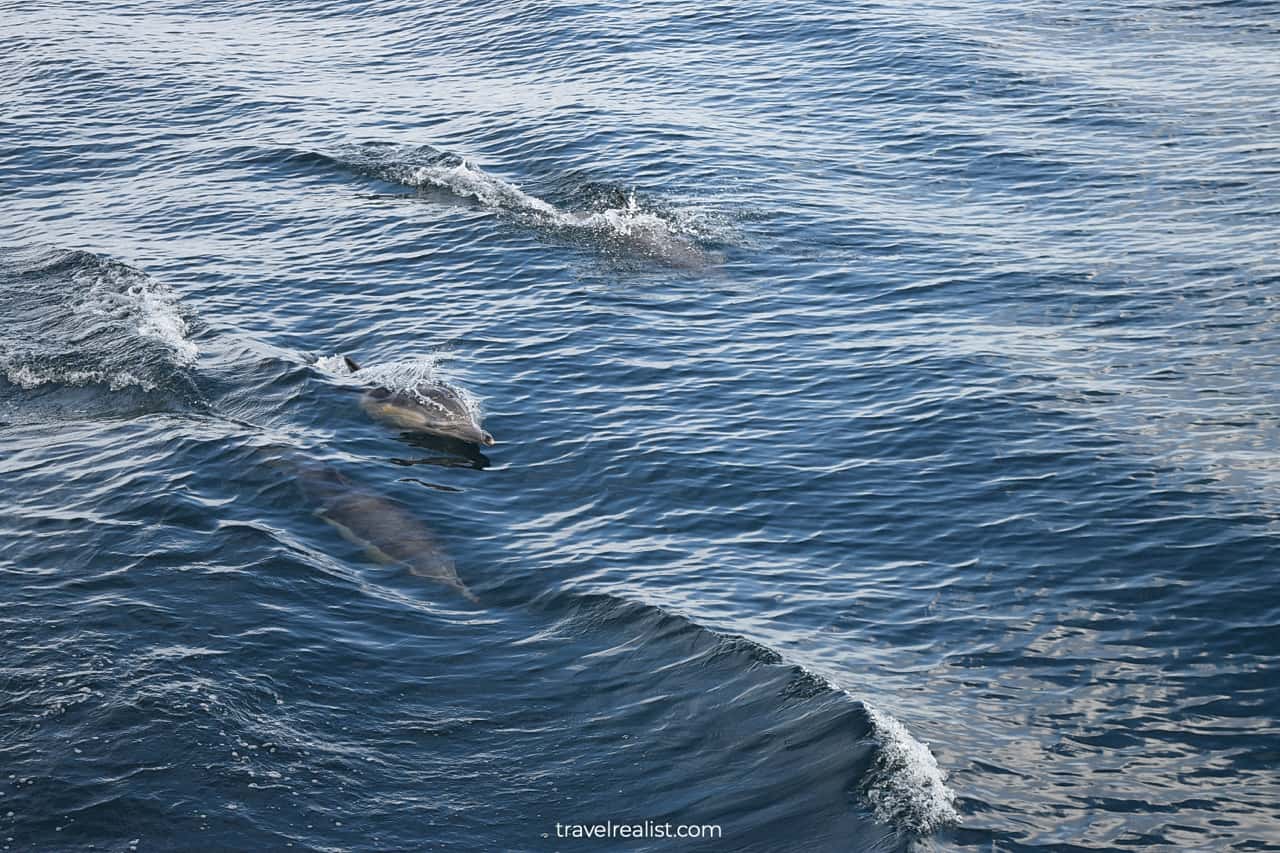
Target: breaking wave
(625,223)
(905,786)
(75,318)
(864,751)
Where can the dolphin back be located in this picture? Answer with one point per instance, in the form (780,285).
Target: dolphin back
(426,407)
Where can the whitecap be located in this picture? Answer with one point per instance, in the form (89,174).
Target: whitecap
(28,378)
(77,319)
(905,786)
(116,290)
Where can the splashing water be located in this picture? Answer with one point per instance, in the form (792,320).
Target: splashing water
(334,365)
(905,786)
(463,180)
(118,290)
(73,318)
(405,376)
(629,225)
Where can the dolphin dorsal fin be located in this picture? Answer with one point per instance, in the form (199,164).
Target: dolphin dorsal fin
(351,365)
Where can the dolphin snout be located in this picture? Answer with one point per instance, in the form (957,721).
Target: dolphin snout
(475,434)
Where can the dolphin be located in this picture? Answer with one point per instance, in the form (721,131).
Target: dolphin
(432,407)
(387,531)
(672,249)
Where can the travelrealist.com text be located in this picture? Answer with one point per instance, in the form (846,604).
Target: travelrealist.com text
(644,829)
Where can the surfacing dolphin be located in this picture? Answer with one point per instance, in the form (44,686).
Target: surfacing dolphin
(655,240)
(433,407)
(383,528)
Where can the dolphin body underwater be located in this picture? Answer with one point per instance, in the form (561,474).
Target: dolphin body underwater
(386,531)
(432,407)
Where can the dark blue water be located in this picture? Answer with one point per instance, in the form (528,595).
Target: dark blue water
(887,404)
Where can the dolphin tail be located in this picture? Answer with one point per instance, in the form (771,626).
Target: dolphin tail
(351,365)
(467,593)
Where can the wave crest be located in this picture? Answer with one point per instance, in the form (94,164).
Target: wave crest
(75,318)
(904,785)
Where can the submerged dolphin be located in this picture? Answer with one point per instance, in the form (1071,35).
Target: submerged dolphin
(676,250)
(387,531)
(427,407)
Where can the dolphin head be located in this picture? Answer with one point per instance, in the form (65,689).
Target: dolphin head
(471,432)
(476,435)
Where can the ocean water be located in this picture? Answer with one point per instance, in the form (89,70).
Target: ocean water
(887,404)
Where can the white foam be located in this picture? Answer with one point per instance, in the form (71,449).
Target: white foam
(626,221)
(86,329)
(160,320)
(404,375)
(647,230)
(464,180)
(117,290)
(334,365)
(905,786)
(28,378)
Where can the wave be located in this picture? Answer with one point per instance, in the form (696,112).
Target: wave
(894,776)
(623,223)
(74,318)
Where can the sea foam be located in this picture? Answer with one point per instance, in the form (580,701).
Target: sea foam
(904,785)
(86,319)
(629,225)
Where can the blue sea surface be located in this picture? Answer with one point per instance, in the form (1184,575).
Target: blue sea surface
(886,396)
